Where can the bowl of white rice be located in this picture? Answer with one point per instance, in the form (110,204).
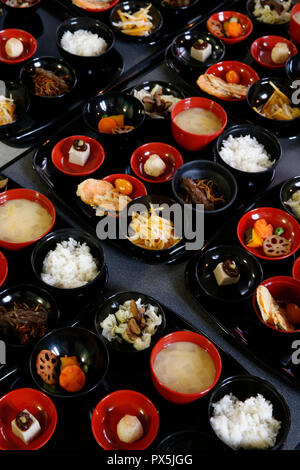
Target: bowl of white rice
(248,413)
(84,41)
(250,152)
(68,261)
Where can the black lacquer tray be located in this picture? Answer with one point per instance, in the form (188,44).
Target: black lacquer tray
(238,320)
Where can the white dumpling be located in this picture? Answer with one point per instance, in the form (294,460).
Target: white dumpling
(280,53)
(129,429)
(154,166)
(13,47)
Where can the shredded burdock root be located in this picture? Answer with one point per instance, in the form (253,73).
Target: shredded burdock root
(201,191)
(46,83)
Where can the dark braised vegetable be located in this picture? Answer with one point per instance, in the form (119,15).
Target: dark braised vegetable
(201,191)
(46,83)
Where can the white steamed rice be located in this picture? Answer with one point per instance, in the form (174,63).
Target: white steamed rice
(245,424)
(83,43)
(245,153)
(69,265)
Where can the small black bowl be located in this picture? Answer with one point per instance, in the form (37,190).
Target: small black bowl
(111,305)
(89,349)
(246,386)
(263,136)
(167,89)
(259,93)
(87,24)
(169,9)
(181,47)
(21,100)
(50,241)
(288,188)
(292,67)
(223,179)
(269,28)
(58,66)
(251,273)
(30,294)
(21,11)
(111,104)
(188,441)
(131,6)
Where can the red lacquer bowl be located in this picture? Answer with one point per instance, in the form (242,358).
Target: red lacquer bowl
(283,289)
(296,269)
(223,16)
(28,41)
(170,155)
(138,187)
(275,217)
(30,195)
(191,141)
(39,405)
(191,337)
(112,408)
(94,10)
(3,268)
(294,26)
(246,73)
(261,50)
(60,156)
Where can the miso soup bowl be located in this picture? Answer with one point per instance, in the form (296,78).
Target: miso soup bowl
(191,337)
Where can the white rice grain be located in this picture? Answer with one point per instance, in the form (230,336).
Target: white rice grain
(83,43)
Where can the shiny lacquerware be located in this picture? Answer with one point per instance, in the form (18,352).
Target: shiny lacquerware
(272,28)
(224,16)
(20,99)
(19,12)
(287,190)
(292,67)
(28,42)
(296,269)
(3,268)
(261,50)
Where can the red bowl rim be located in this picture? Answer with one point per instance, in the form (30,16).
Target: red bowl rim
(169,176)
(26,57)
(269,258)
(156,349)
(295,266)
(292,47)
(20,193)
(79,173)
(134,393)
(130,178)
(246,19)
(113,3)
(3,260)
(246,66)
(201,99)
(276,279)
(50,403)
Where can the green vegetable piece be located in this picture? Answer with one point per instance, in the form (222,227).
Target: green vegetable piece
(233,19)
(279,231)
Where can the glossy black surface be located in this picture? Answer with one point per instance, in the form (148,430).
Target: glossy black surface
(87,24)
(112,304)
(275,28)
(245,386)
(286,191)
(21,100)
(21,12)
(293,67)
(181,49)
(251,273)
(28,293)
(264,137)
(168,9)
(80,342)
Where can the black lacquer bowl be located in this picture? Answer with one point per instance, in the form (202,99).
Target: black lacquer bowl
(16,11)
(269,28)
(21,100)
(89,349)
(111,305)
(292,67)
(287,190)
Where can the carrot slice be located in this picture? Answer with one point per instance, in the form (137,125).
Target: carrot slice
(107,125)
(263,229)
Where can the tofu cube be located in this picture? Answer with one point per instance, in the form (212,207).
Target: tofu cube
(79,157)
(31,433)
(201,54)
(222,278)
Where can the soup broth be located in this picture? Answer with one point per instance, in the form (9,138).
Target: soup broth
(198,121)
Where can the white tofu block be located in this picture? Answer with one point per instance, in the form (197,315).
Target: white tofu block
(222,277)
(77,157)
(201,54)
(31,433)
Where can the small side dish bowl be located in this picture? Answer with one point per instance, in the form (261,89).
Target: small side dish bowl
(271,27)
(294,26)
(28,41)
(39,405)
(275,217)
(205,169)
(199,340)
(182,6)
(247,74)
(89,349)
(112,304)
(130,7)
(21,11)
(296,269)
(60,156)
(292,67)
(30,195)
(90,8)
(246,386)
(194,142)
(287,190)
(182,44)
(3,268)
(112,408)
(263,136)
(283,289)
(171,157)
(138,187)
(261,50)
(19,95)
(91,25)
(111,104)
(222,17)
(50,242)
(251,273)
(52,64)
